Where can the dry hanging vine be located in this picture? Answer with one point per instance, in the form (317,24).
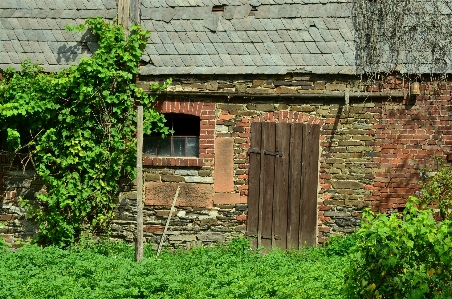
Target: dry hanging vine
(77,127)
(409,36)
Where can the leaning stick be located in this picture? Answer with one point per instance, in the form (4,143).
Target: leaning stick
(168,221)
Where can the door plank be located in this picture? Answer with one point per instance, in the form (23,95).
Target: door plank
(296,143)
(281,192)
(267,179)
(254,183)
(309,184)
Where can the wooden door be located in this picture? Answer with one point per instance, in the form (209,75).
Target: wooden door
(283,180)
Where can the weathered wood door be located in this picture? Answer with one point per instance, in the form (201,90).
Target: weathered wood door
(283,180)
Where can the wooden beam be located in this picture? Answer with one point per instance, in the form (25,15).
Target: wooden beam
(139,240)
(124,15)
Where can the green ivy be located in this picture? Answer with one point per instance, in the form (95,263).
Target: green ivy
(77,127)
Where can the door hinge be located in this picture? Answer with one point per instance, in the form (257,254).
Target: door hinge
(258,151)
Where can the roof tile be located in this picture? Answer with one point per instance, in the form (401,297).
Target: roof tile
(312,47)
(284,35)
(78,4)
(226,59)
(14,57)
(174,38)
(237,60)
(278,24)
(251,49)
(223,37)
(263,35)
(323,47)
(240,48)
(166,60)
(200,48)
(226,25)
(271,48)
(234,37)
(308,59)
(17,47)
(237,24)
(257,25)
(8,46)
(281,48)
(216,60)
(168,27)
(6,24)
(260,48)
(243,36)
(44,47)
(246,24)
(160,48)
(181,49)
(287,59)
(278,59)
(176,59)
(254,36)
(187,60)
(20,34)
(170,49)
(247,60)
(211,22)
(267,24)
(220,48)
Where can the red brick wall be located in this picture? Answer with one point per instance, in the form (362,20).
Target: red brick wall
(408,134)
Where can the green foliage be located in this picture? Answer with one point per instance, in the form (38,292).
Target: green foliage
(225,272)
(437,191)
(340,245)
(401,256)
(78,126)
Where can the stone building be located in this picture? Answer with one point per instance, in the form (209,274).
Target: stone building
(235,64)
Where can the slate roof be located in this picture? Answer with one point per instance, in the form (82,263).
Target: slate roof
(34,29)
(254,37)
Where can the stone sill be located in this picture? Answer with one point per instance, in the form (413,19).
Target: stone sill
(172,161)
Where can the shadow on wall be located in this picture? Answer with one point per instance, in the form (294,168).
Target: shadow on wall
(73,51)
(408,139)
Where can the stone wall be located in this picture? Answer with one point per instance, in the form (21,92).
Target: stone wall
(373,149)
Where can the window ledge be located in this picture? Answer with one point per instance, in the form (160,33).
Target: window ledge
(173,161)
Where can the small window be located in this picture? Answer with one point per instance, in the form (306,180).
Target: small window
(184,142)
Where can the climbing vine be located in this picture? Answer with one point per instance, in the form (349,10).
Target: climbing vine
(409,36)
(76,128)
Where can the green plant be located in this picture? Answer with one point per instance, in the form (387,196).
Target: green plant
(223,272)
(340,245)
(401,256)
(437,191)
(77,128)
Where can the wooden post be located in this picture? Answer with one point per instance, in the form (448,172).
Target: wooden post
(139,238)
(123,15)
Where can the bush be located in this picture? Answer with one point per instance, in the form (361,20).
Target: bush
(401,256)
(437,191)
(340,245)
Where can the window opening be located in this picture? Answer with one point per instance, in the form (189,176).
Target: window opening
(184,142)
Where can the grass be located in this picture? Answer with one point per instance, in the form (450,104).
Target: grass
(107,270)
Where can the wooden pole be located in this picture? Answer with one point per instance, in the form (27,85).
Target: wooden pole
(123,15)
(139,239)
